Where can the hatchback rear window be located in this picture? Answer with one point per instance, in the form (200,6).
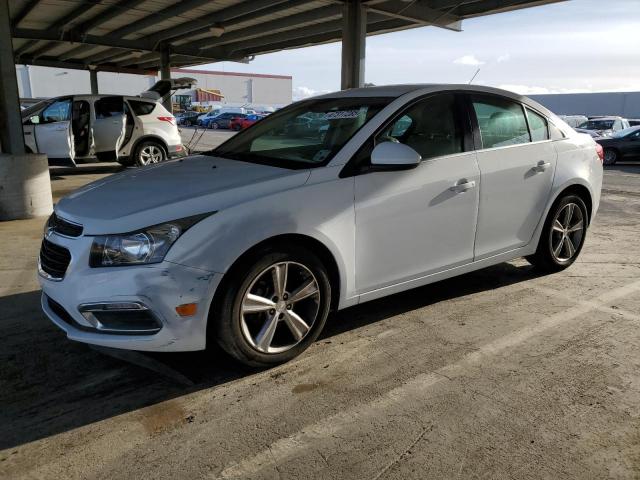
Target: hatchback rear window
(141,108)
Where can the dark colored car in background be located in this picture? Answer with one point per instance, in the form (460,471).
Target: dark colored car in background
(625,143)
(223,120)
(187,118)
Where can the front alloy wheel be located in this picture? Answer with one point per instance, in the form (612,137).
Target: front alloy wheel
(280,307)
(272,306)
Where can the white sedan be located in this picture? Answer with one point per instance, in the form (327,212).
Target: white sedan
(252,245)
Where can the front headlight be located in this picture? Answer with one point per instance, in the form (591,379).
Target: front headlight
(149,245)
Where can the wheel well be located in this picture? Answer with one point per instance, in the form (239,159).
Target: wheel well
(310,243)
(582,192)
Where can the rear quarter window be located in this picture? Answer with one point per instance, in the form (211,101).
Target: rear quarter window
(141,108)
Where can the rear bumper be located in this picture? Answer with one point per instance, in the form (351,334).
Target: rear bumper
(176,151)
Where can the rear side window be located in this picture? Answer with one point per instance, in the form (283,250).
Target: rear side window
(108,107)
(537,126)
(501,122)
(141,108)
(430,127)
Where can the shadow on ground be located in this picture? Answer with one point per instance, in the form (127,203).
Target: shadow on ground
(51,385)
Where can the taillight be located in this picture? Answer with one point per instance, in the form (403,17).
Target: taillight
(600,152)
(171,120)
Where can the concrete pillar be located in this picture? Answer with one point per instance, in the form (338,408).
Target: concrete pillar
(25,187)
(93,78)
(165,74)
(354,34)
(11,136)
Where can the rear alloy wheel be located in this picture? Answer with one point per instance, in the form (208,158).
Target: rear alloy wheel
(275,309)
(563,235)
(148,153)
(215,126)
(610,156)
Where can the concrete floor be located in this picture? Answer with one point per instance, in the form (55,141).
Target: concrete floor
(496,374)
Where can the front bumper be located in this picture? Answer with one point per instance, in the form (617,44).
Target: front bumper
(160,287)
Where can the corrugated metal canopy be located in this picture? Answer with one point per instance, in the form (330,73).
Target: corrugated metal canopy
(128,35)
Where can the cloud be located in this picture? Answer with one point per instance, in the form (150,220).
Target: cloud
(468,60)
(302,92)
(503,58)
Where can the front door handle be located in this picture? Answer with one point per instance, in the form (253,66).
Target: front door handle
(463,185)
(541,166)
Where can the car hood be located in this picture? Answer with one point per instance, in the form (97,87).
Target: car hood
(138,198)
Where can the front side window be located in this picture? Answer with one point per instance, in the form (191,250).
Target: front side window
(430,127)
(58,111)
(538,126)
(501,122)
(306,134)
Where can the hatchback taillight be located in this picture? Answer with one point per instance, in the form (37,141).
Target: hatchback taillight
(171,120)
(600,152)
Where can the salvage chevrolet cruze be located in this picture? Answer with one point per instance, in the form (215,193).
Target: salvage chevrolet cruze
(325,204)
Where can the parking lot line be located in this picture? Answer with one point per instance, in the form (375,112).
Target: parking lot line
(288,447)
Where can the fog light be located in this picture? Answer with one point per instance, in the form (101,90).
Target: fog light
(187,309)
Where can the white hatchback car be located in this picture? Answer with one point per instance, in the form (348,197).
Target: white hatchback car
(252,244)
(128,129)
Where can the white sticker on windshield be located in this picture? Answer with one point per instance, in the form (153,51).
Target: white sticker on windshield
(339,114)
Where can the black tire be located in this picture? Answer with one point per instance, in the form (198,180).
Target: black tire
(226,319)
(611,156)
(214,125)
(143,147)
(545,259)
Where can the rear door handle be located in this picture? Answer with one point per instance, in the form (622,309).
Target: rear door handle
(541,166)
(463,185)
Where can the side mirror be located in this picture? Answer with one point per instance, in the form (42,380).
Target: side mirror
(34,120)
(388,156)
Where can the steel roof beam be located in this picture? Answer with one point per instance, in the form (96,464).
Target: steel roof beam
(419,12)
(286,23)
(24,11)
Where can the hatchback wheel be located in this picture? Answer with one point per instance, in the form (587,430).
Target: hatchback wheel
(215,126)
(148,153)
(610,156)
(273,307)
(563,235)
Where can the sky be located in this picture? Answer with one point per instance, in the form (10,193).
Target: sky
(573,46)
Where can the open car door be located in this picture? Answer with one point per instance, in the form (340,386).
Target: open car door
(53,133)
(163,88)
(109,126)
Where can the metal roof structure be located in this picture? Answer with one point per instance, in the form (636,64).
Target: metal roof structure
(134,35)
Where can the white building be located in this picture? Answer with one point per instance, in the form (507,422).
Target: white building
(255,89)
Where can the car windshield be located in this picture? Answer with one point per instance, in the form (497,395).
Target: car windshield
(597,125)
(303,135)
(625,132)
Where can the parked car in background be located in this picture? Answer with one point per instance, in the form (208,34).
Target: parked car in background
(204,118)
(128,129)
(221,121)
(252,244)
(236,122)
(574,120)
(622,144)
(603,126)
(187,118)
(634,121)
(250,120)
